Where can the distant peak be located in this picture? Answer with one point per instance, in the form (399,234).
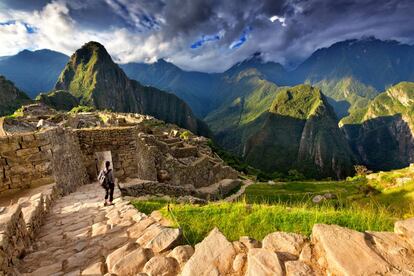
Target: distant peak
(93,44)
(25,52)
(89,49)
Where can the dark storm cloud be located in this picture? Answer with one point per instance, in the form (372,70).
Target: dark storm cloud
(24,4)
(286,31)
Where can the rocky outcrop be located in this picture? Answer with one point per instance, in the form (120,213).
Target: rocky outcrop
(93,78)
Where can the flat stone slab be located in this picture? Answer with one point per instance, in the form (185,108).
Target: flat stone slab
(346,252)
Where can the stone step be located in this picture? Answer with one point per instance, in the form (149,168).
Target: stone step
(189,151)
(171,140)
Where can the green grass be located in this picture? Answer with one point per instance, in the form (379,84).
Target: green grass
(148,206)
(288,207)
(258,220)
(294,192)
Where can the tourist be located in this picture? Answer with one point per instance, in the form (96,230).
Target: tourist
(106,179)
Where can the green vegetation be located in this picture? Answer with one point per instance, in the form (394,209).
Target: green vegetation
(59,100)
(349,93)
(396,191)
(397,100)
(258,220)
(301,192)
(82,108)
(148,206)
(301,127)
(363,203)
(11,98)
(185,135)
(301,102)
(236,163)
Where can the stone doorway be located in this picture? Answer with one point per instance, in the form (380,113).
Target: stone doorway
(100,159)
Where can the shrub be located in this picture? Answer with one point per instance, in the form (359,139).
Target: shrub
(361,170)
(185,135)
(82,108)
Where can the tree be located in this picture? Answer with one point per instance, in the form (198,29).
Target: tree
(361,170)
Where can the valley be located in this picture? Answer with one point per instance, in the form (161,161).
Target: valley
(235,107)
(206,138)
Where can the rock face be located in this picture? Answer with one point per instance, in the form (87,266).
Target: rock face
(263,262)
(300,131)
(382,133)
(11,98)
(93,78)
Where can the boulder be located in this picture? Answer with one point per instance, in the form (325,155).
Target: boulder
(306,253)
(149,234)
(165,240)
(118,254)
(161,266)
(395,249)
(213,256)
(239,262)
(182,254)
(249,242)
(137,230)
(406,229)
(285,243)
(298,268)
(131,263)
(318,199)
(95,269)
(263,262)
(342,251)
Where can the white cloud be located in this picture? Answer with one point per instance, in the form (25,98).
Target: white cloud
(282,20)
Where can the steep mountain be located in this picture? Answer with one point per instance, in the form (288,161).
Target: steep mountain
(247,96)
(271,71)
(346,94)
(11,98)
(33,72)
(382,133)
(195,88)
(371,61)
(300,131)
(93,78)
(59,100)
(204,92)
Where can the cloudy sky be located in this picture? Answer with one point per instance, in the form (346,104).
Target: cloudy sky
(204,35)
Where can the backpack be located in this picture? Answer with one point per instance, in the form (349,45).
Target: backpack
(104,179)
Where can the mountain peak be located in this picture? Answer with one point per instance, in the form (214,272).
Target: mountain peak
(89,66)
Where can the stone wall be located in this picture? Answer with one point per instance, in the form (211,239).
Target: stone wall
(67,165)
(25,161)
(18,225)
(120,141)
(35,159)
(184,162)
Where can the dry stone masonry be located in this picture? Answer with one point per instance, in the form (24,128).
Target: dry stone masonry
(65,150)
